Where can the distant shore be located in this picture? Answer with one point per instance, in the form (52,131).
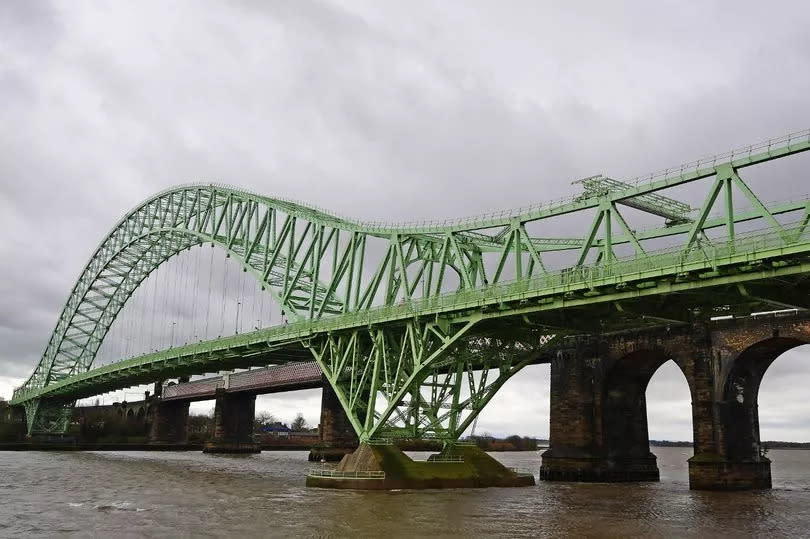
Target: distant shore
(766,444)
(140,446)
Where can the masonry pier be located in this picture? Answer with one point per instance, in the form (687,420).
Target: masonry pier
(598,428)
(233,424)
(169,419)
(337,437)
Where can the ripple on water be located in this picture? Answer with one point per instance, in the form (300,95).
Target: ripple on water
(46,494)
(118,506)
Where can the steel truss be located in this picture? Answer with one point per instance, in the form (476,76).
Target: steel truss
(393,312)
(418,379)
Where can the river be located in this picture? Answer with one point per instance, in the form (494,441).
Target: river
(188,494)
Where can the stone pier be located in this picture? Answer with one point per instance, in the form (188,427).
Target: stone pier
(336,435)
(598,428)
(169,423)
(594,435)
(233,424)
(169,420)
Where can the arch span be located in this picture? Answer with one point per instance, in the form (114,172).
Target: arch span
(624,403)
(317,264)
(310,261)
(740,413)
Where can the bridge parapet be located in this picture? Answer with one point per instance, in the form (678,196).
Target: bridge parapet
(289,377)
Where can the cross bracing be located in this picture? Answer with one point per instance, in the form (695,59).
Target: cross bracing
(417,325)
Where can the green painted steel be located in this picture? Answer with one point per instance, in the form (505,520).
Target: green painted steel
(417,325)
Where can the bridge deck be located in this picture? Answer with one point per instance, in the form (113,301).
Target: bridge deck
(277,378)
(329,289)
(749,258)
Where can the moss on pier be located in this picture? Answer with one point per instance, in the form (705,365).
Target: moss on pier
(477,469)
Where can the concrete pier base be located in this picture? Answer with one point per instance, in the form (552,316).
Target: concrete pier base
(385,467)
(233,424)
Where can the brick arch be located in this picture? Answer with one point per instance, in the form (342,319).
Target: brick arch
(752,363)
(624,402)
(740,393)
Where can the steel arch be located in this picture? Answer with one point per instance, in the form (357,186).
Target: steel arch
(317,264)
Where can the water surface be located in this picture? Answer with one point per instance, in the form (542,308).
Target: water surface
(188,494)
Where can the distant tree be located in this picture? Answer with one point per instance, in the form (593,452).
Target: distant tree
(299,423)
(200,427)
(263,419)
(515,441)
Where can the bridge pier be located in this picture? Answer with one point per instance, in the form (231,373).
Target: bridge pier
(336,435)
(725,416)
(234,414)
(598,428)
(579,419)
(169,422)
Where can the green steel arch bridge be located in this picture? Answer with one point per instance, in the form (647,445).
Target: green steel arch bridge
(417,325)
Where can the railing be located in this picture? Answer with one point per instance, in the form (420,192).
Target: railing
(337,474)
(289,374)
(706,164)
(381,441)
(445,458)
(798,141)
(712,161)
(673,260)
(520,471)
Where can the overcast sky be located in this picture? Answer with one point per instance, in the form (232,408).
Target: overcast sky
(376,110)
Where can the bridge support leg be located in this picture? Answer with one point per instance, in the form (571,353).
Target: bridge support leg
(579,418)
(336,435)
(741,468)
(48,421)
(728,454)
(234,414)
(169,422)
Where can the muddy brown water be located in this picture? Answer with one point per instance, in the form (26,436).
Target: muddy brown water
(189,494)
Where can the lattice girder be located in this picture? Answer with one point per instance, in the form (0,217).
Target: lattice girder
(440,277)
(405,380)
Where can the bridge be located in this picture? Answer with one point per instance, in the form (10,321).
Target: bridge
(416,326)
(276,379)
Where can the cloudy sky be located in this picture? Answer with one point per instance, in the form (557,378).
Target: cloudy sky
(376,110)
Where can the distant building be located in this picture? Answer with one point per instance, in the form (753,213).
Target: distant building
(276,429)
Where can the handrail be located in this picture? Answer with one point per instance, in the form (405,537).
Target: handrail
(674,259)
(337,474)
(520,471)
(445,458)
(784,141)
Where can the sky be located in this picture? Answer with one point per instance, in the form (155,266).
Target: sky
(377,110)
